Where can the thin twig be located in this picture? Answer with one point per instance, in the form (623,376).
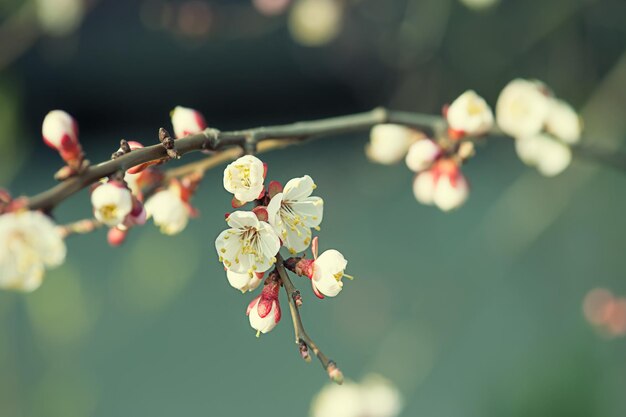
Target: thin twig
(300,333)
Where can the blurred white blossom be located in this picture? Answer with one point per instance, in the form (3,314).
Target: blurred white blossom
(315,22)
(375,396)
(523,107)
(422,154)
(443,185)
(186,121)
(389,143)
(60,17)
(29,243)
(470,115)
(480,4)
(563,122)
(168,210)
(544,152)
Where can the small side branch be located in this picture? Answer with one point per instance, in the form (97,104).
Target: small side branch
(300,333)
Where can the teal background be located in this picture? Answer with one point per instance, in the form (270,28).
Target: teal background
(471,313)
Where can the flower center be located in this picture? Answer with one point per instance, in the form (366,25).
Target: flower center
(108,212)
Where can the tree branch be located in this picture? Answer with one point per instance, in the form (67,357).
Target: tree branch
(262,139)
(213,140)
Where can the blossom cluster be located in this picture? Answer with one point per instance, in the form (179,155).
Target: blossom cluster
(543,126)
(30,241)
(282,216)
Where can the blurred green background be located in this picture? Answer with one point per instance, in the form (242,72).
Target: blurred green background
(475,313)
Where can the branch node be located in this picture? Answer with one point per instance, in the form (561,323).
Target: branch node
(297,298)
(168,143)
(212,139)
(381,114)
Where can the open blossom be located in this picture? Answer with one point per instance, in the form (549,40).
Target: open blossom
(264,311)
(563,122)
(523,107)
(470,115)
(547,154)
(29,243)
(324,271)
(187,121)
(294,212)
(249,246)
(422,154)
(60,131)
(243,281)
(112,202)
(389,143)
(375,396)
(443,185)
(244,178)
(169,210)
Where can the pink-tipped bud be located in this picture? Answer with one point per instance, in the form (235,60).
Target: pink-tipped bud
(304,352)
(60,132)
(187,121)
(334,373)
(116,236)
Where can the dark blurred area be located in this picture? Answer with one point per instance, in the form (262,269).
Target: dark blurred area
(476,313)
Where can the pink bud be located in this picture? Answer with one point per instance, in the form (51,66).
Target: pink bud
(60,132)
(187,121)
(116,237)
(138,168)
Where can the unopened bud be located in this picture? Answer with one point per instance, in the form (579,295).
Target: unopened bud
(334,373)
(304,351)
(60,131)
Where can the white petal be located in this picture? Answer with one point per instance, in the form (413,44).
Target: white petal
(240,219)
(298,188)
(563,122)
(243,282)
(168,210)
(424,187)
(554,157)
(450,195)
(422,154)
(273,209)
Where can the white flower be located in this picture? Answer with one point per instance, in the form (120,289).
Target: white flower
(60,131)
(294,212)
(522,108)
(380,397)
(389,143)
(249,246)
(544,152)
(243,281)
(264,311)
(29,243)
(563,122)
(328,269)
(244,178)
(315,22)
(422,154)
(470,114)
(168,210)
(187,121)
(443,185)
(112,202)
(373,397)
